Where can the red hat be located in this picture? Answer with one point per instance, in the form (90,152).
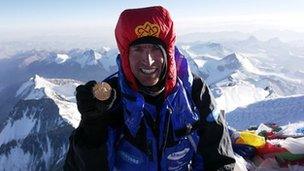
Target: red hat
(151,22)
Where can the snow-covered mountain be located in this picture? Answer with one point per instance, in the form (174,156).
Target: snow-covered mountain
(210,50)
(105,57)
(272,53)
(76,64)
(61,91)
(8,100)
(258,82)
(244,77)
(217,70)
(35,134)
(282,111)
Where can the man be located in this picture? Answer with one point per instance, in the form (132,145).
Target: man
(153,114)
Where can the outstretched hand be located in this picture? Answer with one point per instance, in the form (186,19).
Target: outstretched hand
(88,105)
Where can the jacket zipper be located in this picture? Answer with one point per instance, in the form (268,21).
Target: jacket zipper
(162,149)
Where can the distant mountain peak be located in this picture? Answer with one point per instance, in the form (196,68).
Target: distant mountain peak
(32,89)
(236,57)
(209,50)
(38,87)
(252,39)
(90,53)
(215,45)
(89,57)
(61,91)
(275,41)
(217,70)
(240,61)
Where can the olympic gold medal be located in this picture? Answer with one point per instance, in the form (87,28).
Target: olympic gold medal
(102,91)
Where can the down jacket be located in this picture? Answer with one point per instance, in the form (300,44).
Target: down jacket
(183,132)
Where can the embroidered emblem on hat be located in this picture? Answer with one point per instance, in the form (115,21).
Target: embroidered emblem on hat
(147,29)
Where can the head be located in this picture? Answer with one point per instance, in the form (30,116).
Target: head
(145,39)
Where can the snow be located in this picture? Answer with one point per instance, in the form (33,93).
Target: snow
(89,57)
(19,159)
(249,84)
(255,84)
(18,130)
(34,88)
(282,111)
(264,63)
(69,112)
(281,76)
(218,70)
(106,57)
(210,50)
(241,94)
(246,64)
(109,59)
(60,90)
(61,58)
(241,78)
(200,62)
(25,87)
(47,154)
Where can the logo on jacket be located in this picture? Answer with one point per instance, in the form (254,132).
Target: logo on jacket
(129,157)
(147,29)
(178,155)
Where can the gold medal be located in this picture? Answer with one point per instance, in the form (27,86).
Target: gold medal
(102,91)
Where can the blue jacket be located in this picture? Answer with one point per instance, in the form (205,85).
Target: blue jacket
(183,132)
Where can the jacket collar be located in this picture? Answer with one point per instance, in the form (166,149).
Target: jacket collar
(133,102)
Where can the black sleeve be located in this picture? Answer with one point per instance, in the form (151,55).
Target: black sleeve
(214,144)
(82,156)
(87,146)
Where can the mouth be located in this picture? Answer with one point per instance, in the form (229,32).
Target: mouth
(148,71)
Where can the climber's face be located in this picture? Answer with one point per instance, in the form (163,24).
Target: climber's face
(146,62)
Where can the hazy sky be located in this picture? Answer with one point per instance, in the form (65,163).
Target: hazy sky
(26,18)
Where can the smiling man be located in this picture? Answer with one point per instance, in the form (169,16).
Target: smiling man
(153,114)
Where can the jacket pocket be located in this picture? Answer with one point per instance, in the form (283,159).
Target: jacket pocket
(128,157)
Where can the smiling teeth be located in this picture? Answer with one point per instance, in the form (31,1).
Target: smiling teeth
(148,71)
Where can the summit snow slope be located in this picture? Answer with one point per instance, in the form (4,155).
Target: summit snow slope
(282,111)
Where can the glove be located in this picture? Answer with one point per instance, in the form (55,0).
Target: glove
(90,107)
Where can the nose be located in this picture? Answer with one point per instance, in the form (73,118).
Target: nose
(148,59)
